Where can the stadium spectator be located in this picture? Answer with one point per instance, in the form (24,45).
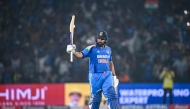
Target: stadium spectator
(181,66)
(123,77)
(168,80)
(17,76)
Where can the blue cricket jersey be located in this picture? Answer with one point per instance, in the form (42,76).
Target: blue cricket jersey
(99,58)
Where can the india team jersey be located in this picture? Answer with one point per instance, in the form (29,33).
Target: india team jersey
(99,58)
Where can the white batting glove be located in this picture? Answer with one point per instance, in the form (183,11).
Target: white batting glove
(71,48)
(115,81)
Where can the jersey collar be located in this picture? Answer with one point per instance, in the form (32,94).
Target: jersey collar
(100,47)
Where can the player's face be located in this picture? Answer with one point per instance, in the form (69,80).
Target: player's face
(100,42)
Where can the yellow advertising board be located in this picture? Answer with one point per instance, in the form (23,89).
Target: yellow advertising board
(78,94)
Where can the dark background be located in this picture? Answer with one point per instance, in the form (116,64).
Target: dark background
(34,35)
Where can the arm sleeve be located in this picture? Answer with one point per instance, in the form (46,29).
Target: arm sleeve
(86,51)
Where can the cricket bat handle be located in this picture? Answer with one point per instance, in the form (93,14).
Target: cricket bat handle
(71,56)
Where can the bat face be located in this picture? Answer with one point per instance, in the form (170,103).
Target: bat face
(72,26)
(71,38)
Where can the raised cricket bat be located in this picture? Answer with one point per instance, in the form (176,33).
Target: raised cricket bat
(72,26)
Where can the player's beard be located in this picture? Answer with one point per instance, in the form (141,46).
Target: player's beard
(100,44)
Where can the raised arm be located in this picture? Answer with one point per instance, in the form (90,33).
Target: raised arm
(78,54)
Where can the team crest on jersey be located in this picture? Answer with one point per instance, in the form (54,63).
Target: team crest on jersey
(107,52)
(101,33)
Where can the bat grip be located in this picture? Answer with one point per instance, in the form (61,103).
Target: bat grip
(71,42)
(71,56)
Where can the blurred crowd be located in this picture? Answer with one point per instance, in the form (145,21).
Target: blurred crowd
(34,35)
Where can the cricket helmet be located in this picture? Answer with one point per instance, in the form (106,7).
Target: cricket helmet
(102,35)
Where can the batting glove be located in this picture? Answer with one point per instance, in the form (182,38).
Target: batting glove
(115,81)
(71,48)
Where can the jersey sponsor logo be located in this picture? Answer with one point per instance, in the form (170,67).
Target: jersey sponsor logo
(103,56)
(102,61)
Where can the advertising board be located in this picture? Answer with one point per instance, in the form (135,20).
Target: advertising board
(83,90)
(31,94)
(151,94)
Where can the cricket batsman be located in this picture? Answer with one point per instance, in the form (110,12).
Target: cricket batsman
(102,77)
